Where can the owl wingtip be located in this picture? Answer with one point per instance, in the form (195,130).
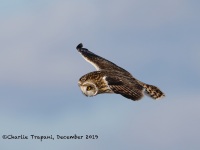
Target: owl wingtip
(79,46)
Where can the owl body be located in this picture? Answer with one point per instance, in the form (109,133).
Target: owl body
(110,78)
(106,81)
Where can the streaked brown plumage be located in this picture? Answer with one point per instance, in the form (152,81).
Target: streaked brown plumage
(110,78)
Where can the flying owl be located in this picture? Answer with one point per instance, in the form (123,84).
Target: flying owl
(110,78)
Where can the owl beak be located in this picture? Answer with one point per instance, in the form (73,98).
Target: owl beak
(85,94)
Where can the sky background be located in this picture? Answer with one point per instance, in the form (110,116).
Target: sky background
(158,41)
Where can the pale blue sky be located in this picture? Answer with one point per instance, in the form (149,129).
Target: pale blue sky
(157,41)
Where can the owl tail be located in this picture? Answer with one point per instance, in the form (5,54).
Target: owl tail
(153,91)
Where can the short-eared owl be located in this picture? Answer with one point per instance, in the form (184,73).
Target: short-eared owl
(110,78)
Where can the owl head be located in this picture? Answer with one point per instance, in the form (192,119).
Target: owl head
(88,88)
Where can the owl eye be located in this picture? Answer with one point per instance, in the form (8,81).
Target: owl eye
(88,88)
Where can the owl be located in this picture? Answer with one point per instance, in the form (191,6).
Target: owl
(110,78)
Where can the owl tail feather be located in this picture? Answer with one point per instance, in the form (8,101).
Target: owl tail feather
(153,91)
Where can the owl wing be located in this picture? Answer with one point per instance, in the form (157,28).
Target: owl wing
(129,89)
(98,62)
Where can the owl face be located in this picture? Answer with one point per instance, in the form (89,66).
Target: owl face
(88,88)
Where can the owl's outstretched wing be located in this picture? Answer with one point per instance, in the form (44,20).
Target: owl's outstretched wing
(131,90)
(99,62)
